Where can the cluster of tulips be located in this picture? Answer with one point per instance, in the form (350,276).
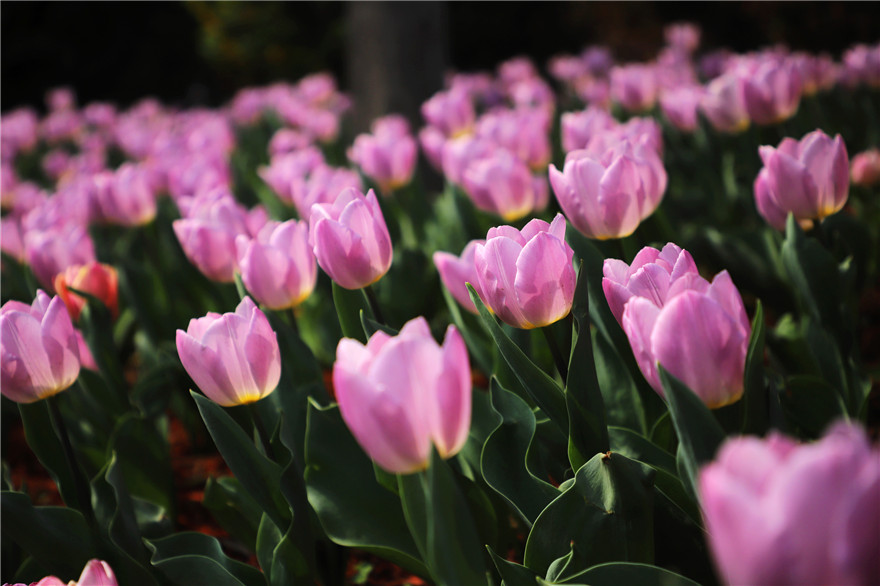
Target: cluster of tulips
(602,408)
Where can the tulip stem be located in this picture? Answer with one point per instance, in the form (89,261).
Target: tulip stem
(374,304)
(80,482)
(261,429)
(293,324)
(556,352)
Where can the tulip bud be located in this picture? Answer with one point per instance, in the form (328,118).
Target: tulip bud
(350,239)
(502,184)
(278,266)
(39,349)
(527,277)
(634,86)
(865,168)
(97,279)
(724,103)
(809,179)
(399,395)
(779,512)
(456,272)
(388,156)
(233,358)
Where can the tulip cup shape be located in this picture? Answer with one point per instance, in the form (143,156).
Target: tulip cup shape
(808,178)
(233,358)
(527,277)
(399,395)
(97,279)
(779,512)
(278,266)
(350,239)
(95,573)
(695,329)
(456,272)
(39,349)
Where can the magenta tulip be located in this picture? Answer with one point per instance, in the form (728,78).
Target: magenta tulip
(350,239)
(39,349)
(634,86)
(527,277)
(680,107)
(233,358)
(779,512)
(456,272)
(772,90)
(399,395)
(278,266)
(808,178)
(502,184)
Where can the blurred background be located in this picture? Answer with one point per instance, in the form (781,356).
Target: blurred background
(200,53)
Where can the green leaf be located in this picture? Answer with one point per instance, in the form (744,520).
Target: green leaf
(97,327)
(476,342)
(616,573)
(371,326)
(811,404)
(354,509)
(260,476)
(755,396)
(57,537)
(278,556)
(196,559)
(349,304)
(588,432)
(144,461)
(623,406)
(234,509)
(542,389)
(504,463)
(513,574)
(607,513)
(699,433)
(44,442)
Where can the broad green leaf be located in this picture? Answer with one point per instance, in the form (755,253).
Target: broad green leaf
(513,574)
(143,459)
(542,389)
(811,404)
(43,441)
(504,462)
(349,305)
(196,559)
(617,573)
(607,513)
(234,509)
(755,396)
(354,509)
(279,558)
(699,433)
(476,342)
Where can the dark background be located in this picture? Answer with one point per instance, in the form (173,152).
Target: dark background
(199,53)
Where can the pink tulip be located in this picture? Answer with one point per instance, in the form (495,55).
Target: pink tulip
(780,512)
(38,345)
(233,358)
(350,239)
(399,395)
(124,196)
(288,140)
(452,112)
(527,277)
(49,251)
(456,271)
(865,168)
(684,36)
(608,196)
(724,103)
(502,184)
(695,329)
(322,185)
(208,231)
(809,178)
(459,152)
(388,155)
(432,140)
(680,107)
(634,86)
(278,266)
(772,91)
(578,128)
(524,132)
(95,573)
(286,168)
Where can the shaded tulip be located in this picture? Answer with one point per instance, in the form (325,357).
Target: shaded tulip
(278,266)
(39,349)
(780,512)
(608,196)
(124,196)
(527,277)
(286,168)
(808,178)
(233,358)
(95,573)
(452,112)
(865,168)
(772,91)
(502,184)
(322,185)
(432,140)
(634,86)
(684,36)
(578,128)
(388,155)
(350,239)
(524,132)
(51,250)
(456,271)
(724,103)
(399,395)
(97,279)
(680,107)
(695,329)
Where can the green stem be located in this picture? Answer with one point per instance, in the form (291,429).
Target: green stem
(80,482)
(556,352)
(261,429)
(374,304)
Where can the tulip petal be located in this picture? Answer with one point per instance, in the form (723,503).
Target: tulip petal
(639,317)
(545,280)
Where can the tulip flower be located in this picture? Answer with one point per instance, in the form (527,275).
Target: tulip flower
(39,349)
(608,196)
(278,266)
(502,184)
(680,107)
(865,168)
(124,197)
(388,156)
(321,185)
(724,103)
(808,178)
(233,358)
(780,512)
(634,86)
(524,132)
(772,91)
(451,112)
(285,168)
(695,329)
(350,239)
(684,36)
(51,250)
(399,395)
(578,128)
(96,279)
(95,573)
(527,277)
(456,272)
